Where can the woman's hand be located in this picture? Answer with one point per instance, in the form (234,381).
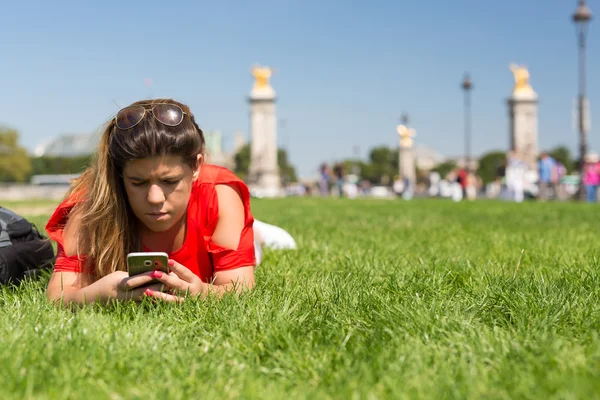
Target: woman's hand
(70,287)
(180,280)
(183,282)
(120,286)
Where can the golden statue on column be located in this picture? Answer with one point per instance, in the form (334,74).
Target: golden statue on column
(521,75)
(261,77)
(523,117)
(406,135)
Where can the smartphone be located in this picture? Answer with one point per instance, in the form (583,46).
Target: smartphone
(138,263)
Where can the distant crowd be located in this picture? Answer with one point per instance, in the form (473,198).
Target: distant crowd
(548,182)
(515,181)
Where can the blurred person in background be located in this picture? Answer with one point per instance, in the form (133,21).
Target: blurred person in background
(515,176)
(338,171)
(324,175)
(548,176)
(591,176)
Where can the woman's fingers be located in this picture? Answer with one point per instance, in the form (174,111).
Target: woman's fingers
(163,296)
(135,281)
(171,280)
(138,293)
(179,281)
(181,271)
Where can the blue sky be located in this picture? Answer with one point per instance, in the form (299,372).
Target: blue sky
(345,71)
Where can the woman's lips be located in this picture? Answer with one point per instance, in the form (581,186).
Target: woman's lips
(158,216)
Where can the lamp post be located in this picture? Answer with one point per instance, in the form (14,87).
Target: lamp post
(356,166)
(581,18)
(404,119)
(467,85)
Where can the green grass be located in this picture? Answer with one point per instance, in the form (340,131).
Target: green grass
(383,299)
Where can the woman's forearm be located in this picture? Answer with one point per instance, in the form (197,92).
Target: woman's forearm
(236,280)
(221,289)
(75,295)
(70,290)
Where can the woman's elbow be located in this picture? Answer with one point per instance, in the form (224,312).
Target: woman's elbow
(238,286)
(59,292)
(54,297)
(234,284)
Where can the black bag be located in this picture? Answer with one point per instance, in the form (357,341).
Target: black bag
(24,252)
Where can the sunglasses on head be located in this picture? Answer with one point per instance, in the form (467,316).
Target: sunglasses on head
(165,113)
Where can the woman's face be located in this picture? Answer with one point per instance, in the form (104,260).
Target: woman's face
(158,190)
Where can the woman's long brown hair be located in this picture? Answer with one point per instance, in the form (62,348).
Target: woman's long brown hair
(109,229)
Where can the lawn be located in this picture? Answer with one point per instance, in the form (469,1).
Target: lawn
(382,299)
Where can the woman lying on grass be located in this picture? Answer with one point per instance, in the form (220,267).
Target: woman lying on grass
(149,190)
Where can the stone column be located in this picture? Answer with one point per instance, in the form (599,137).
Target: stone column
(263,174)
(406,157)
(523,118)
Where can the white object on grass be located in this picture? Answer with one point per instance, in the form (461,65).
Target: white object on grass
(273,236)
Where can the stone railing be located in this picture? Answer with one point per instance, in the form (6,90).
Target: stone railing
(18,192)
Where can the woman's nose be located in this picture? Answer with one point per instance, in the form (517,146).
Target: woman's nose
(156,195)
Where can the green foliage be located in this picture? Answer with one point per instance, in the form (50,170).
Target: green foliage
(242,164)
(358,167)
(563,155)
(15,165)
(430,299)
(286,170)
(59,165)
(383,165)
(444,168)
(489,164)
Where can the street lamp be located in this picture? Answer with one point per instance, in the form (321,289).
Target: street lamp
(581,18)
(467,85)
(356,166)
(404,119)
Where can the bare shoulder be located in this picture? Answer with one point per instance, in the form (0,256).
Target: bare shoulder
(231,216)
(228,196)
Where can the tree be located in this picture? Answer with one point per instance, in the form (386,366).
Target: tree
(357,167)
(242,165)
(286,170)
(562,155)
(381,168)
(489,164)
(384,164)
(59,165)
(242,162)
(15,165)
(444,168)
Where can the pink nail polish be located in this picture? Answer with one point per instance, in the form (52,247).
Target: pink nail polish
(156,274)
(149,292)
(171,262)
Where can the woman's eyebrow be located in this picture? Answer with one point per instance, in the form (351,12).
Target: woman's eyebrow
(172,175)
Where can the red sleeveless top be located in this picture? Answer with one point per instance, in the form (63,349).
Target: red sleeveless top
(198,253)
